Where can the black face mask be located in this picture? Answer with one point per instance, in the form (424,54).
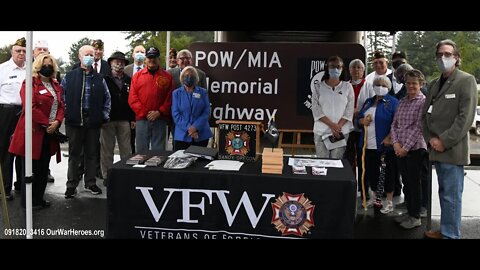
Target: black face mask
(46,70)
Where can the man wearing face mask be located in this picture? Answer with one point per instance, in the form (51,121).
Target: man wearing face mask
(151,99)
(332,108)
(137,65)
(87,107)
(121,115)
(138,61)
(447,116)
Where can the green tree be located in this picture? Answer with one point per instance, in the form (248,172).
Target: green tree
(420,49)
(378,40)
(178,39)
(73,53)
(5,53)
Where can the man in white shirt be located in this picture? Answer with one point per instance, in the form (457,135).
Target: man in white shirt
(12,75)
(380,67)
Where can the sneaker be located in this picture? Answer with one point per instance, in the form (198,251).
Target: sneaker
(411,222)
(94,189)
(423,212)
(387,208)
(401,218)
(70,193)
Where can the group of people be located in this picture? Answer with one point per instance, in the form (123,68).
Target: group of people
(386,123)
(390,124)
(99,102)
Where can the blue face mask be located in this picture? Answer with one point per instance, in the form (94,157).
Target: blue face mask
(334,72)
(189,81)
(87,60)
(140,57)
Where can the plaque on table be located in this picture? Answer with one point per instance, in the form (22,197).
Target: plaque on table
(238,140)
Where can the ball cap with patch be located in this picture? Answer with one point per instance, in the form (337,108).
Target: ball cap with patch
(152,52)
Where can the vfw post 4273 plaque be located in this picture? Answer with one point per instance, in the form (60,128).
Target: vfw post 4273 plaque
(238,140)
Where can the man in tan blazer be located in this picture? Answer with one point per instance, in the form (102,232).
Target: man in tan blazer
(447,116)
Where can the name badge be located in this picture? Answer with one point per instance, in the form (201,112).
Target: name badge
(196,95)
(449,96)
(430,109)
(42,91)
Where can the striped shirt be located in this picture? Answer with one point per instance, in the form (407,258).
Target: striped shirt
(407,126)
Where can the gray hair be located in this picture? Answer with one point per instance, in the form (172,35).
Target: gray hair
(184,51)
(400,71)
(452,43)
(355,63)
(382,78)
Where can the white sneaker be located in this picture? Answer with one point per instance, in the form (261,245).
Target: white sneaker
(387,208)
(411,223)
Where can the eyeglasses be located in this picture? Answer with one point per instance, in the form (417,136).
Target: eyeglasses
(446,54)
(20,51)
(184,58)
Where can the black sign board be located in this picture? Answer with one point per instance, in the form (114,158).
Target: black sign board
(238,140)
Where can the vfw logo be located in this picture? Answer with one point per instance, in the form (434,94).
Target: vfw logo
(293,214)
(237,143)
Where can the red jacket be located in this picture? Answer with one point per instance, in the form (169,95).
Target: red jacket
(151,93)
(42,102)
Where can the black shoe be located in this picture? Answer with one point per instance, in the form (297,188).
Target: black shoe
(41,205)
(51,179)
(70,193)
(94,189)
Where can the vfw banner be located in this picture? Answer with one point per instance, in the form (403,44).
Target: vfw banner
(255,81)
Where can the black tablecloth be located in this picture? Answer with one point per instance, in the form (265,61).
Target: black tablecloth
(195,203)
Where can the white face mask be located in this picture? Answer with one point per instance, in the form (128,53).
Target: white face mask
(445,64)
(355,82)
(380,90)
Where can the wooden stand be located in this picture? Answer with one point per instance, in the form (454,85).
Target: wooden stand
(296,139)
(272,161)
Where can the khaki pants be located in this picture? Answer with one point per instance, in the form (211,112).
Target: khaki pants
(111,130)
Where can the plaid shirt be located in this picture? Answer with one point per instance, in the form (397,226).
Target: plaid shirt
(407,126)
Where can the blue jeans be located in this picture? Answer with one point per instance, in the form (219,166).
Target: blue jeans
(150,134)
(450,189)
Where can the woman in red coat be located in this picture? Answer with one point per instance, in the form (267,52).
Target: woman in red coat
(47,115)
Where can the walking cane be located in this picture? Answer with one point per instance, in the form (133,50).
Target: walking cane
(364,149)
(4,204)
